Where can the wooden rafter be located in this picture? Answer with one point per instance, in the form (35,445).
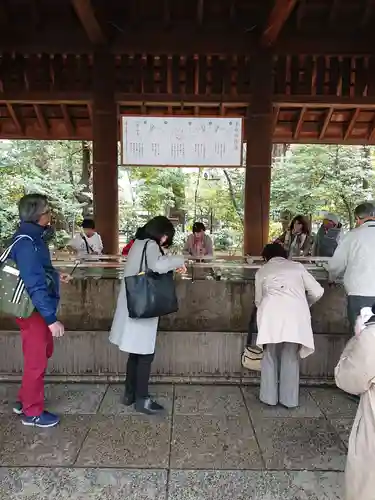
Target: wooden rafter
(325,125)
(276,113)
(90,23)
(89,109)
(200,11)
(334,11)
(367,12)
(167,12)
(301,9)
(4,15)
(67,120)
(41,119)
(351,124)
(16,121)
(371,135)
(232,11)
(299,124)
(279,15)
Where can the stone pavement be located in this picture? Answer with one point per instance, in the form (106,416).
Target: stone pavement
(213,442)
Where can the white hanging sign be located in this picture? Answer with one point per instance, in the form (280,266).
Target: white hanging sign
(181,141)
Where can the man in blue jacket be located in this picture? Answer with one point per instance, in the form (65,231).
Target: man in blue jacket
(42,282)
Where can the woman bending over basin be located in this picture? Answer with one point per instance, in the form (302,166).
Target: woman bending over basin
(284,290)
(138,336)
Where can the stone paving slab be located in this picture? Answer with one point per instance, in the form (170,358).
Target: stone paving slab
(8,395)
(31,446)
(74,399)
(343,427)
(127,441)
(205,438)
(255,485)
(205,441)
(333,402)
(82,484)
(209,400)
(300,443)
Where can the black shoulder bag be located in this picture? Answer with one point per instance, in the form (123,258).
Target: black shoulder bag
(150,294)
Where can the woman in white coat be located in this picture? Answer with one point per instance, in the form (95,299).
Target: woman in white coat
(138,336)
(284,290)
(355,373)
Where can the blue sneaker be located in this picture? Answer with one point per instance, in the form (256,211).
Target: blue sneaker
(17,408)
(46,419)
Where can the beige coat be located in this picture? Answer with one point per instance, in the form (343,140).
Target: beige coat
(138,336)
(284,290)
(355,373)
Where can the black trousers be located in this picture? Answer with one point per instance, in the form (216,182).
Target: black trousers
(138,374)
(355,304)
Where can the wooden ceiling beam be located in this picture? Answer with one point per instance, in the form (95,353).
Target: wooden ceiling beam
(181,42)
(208,100)
(351,124)
(41,119)
(16,121)
(299,124)
(326,123)
(91,25)
(279,15)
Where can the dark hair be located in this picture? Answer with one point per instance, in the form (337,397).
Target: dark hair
(274,250)
(365,210)
(302,220)
(32,206)
(198,227)
(88,224)
(155,229)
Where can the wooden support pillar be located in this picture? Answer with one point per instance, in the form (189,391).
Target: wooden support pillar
(258,136)
(105,170)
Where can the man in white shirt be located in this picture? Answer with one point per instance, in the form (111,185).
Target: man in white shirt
(354,259)
(88,242)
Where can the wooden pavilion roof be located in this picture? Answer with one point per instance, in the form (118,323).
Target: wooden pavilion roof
(189,57)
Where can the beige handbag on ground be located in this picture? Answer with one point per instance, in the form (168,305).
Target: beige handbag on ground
(252,357)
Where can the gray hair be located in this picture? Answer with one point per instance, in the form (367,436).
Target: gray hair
(32,206)
(365,210)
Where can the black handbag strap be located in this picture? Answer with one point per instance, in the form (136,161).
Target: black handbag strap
(88,248)
(144,257)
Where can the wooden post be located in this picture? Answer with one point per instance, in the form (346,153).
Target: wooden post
(258,133)
(105,170)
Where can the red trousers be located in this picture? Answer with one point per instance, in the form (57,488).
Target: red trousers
(37,347)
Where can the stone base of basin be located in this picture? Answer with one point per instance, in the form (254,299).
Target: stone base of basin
(181,356)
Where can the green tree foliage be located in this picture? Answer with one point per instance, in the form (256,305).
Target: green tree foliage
(47,167)
(311,179)
(306,179)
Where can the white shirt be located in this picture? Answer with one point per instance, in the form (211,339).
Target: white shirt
(94,244)
(354,258)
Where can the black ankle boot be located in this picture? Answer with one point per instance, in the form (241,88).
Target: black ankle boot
(147,406)
(128,399)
